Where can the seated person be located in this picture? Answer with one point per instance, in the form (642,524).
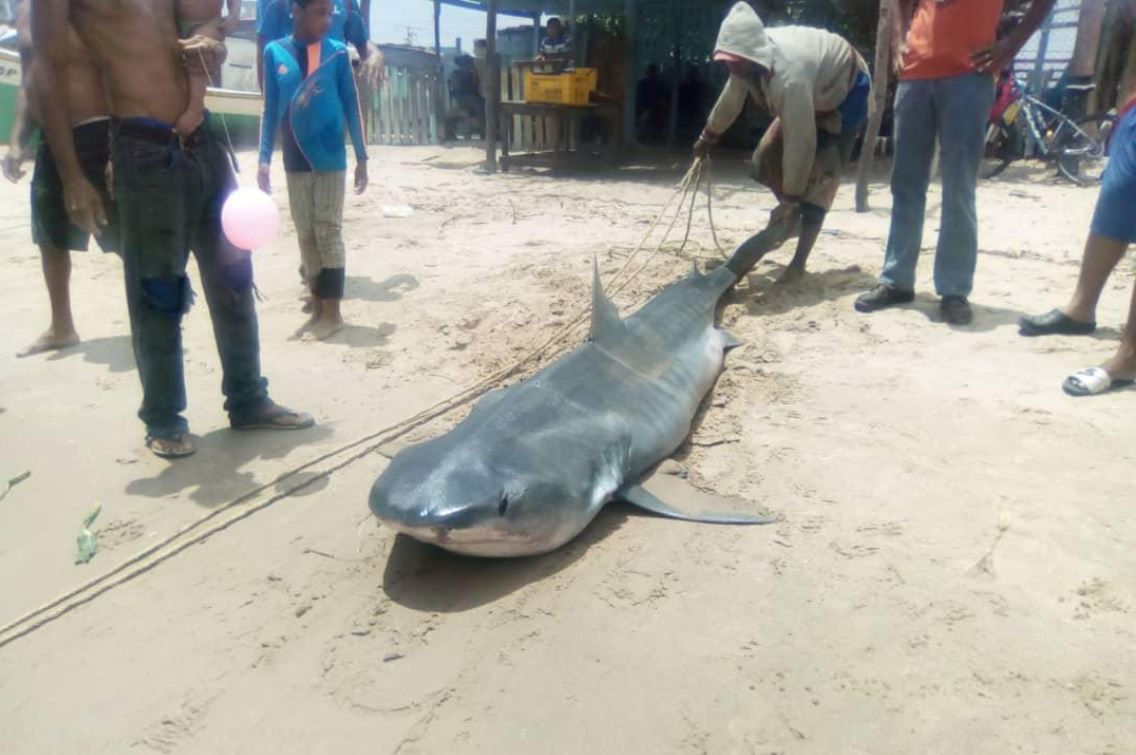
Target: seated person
(556,48)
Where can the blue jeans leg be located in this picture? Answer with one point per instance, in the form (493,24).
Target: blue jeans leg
(915,121)
(962,106)
(227,281)
(151,187)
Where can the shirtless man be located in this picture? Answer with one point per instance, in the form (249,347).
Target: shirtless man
(51,229)
(203,17)
(170,189)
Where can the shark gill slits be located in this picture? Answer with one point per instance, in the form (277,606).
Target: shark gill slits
(503,506)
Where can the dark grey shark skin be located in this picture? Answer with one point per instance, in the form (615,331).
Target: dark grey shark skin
(534,463)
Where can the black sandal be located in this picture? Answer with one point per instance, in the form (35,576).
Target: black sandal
(1054,322)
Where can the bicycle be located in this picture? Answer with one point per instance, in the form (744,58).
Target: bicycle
(1079,147)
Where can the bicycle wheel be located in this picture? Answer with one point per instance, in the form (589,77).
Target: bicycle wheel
(1006,146)
(1084,154)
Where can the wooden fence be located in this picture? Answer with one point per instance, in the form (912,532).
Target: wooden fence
(404,110)
(530,133)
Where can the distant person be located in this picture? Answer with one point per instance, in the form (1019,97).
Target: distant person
(816,86)
(1113,230)
(691,101)
(52,231)
(310,91)
(946,88)
(556,47)
(652,105)
(465,86)
(203,17)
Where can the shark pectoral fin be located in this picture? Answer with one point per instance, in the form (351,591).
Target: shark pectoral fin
(607,328)
(729,340)
(645,499)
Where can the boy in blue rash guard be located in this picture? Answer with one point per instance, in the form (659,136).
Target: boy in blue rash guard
(310,98)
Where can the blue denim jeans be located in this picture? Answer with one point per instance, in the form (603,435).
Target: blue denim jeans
(954,109)
(169,202)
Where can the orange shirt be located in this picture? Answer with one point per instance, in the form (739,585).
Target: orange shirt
(945,33)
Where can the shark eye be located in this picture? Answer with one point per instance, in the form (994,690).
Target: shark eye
(503,506)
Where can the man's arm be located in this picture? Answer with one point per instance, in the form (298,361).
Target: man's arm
(901,12)
(359,36)
(729,106)
(998,57)
(50,22)
(269,125)
(349,97)
(260,43)
(21,135)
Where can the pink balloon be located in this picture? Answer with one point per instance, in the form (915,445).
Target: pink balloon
(249,218)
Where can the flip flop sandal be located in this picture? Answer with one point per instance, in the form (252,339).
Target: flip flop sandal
(1092,381)
(269,417)
(184,439)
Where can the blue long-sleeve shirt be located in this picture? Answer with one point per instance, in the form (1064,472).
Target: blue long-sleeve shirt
(274,21)
(310,90)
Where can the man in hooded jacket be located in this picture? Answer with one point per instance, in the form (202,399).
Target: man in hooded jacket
(816,85)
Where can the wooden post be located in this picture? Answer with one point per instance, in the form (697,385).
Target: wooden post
(439,77)
(676,74)
(570,28)
(493,91)
(1090,24)
(536,34)
(880,78)
(629,93)
(1042,51)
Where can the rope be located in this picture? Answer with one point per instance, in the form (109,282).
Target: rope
(224,123)
(710,208)
(138,564)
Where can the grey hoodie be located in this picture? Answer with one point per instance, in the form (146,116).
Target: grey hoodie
(811,71)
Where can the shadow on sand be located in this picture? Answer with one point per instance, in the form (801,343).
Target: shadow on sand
(425,578)
(214,473)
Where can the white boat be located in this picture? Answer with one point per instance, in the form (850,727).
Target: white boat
(240,111)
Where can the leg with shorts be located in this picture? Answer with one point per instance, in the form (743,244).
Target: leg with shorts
(1113,229)
(833,151)
(56,237)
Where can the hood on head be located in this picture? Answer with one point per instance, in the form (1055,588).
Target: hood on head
(742,34)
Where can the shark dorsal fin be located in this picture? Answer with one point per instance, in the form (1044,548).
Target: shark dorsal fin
(606,325)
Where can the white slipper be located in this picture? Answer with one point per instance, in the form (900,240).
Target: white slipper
(1091,381)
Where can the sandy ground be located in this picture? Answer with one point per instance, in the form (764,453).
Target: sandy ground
(954,571)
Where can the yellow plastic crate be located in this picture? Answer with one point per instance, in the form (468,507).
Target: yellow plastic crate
(569,88)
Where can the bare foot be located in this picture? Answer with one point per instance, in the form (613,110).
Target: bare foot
(791,274)
(304,329)
(321,330)
(49,341)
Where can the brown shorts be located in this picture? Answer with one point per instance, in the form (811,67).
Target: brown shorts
(832,153)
